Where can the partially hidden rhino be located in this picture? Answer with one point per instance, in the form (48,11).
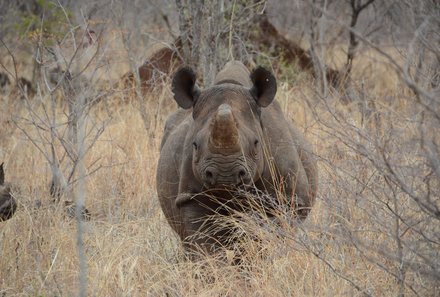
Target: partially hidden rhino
(227,137)
(8,206)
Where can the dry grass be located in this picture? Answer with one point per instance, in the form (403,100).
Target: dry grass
(131,251)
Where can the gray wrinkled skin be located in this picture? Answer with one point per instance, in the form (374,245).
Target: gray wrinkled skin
(231,135)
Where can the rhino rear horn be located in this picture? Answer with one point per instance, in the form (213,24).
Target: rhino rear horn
(184,87)
(264,86)
(224,133)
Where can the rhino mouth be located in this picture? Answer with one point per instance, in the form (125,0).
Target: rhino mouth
(218,195)
(228,184)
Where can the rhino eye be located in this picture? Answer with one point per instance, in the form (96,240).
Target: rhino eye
(256,142)
(195,145)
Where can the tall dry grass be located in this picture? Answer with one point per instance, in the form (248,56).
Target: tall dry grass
(131,250)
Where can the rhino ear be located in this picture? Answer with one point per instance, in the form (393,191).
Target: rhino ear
(184,87)
(264,86)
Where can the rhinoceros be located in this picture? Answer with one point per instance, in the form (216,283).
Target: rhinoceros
(224,139)
(8,206)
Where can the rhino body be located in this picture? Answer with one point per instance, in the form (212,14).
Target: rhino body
(229,136)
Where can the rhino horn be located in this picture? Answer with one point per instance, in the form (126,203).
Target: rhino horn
(224,133)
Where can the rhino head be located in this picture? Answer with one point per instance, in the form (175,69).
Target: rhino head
(226,133)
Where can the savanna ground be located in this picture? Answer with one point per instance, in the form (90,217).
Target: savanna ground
(358,240)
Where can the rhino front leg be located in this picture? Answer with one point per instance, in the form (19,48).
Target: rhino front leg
(298,190)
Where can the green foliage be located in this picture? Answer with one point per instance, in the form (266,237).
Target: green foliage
(264,60)
(290,72)
(273,58)
(51,24)
(286,71)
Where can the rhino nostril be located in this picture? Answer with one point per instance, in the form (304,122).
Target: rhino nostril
(242,177)
(210,177)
